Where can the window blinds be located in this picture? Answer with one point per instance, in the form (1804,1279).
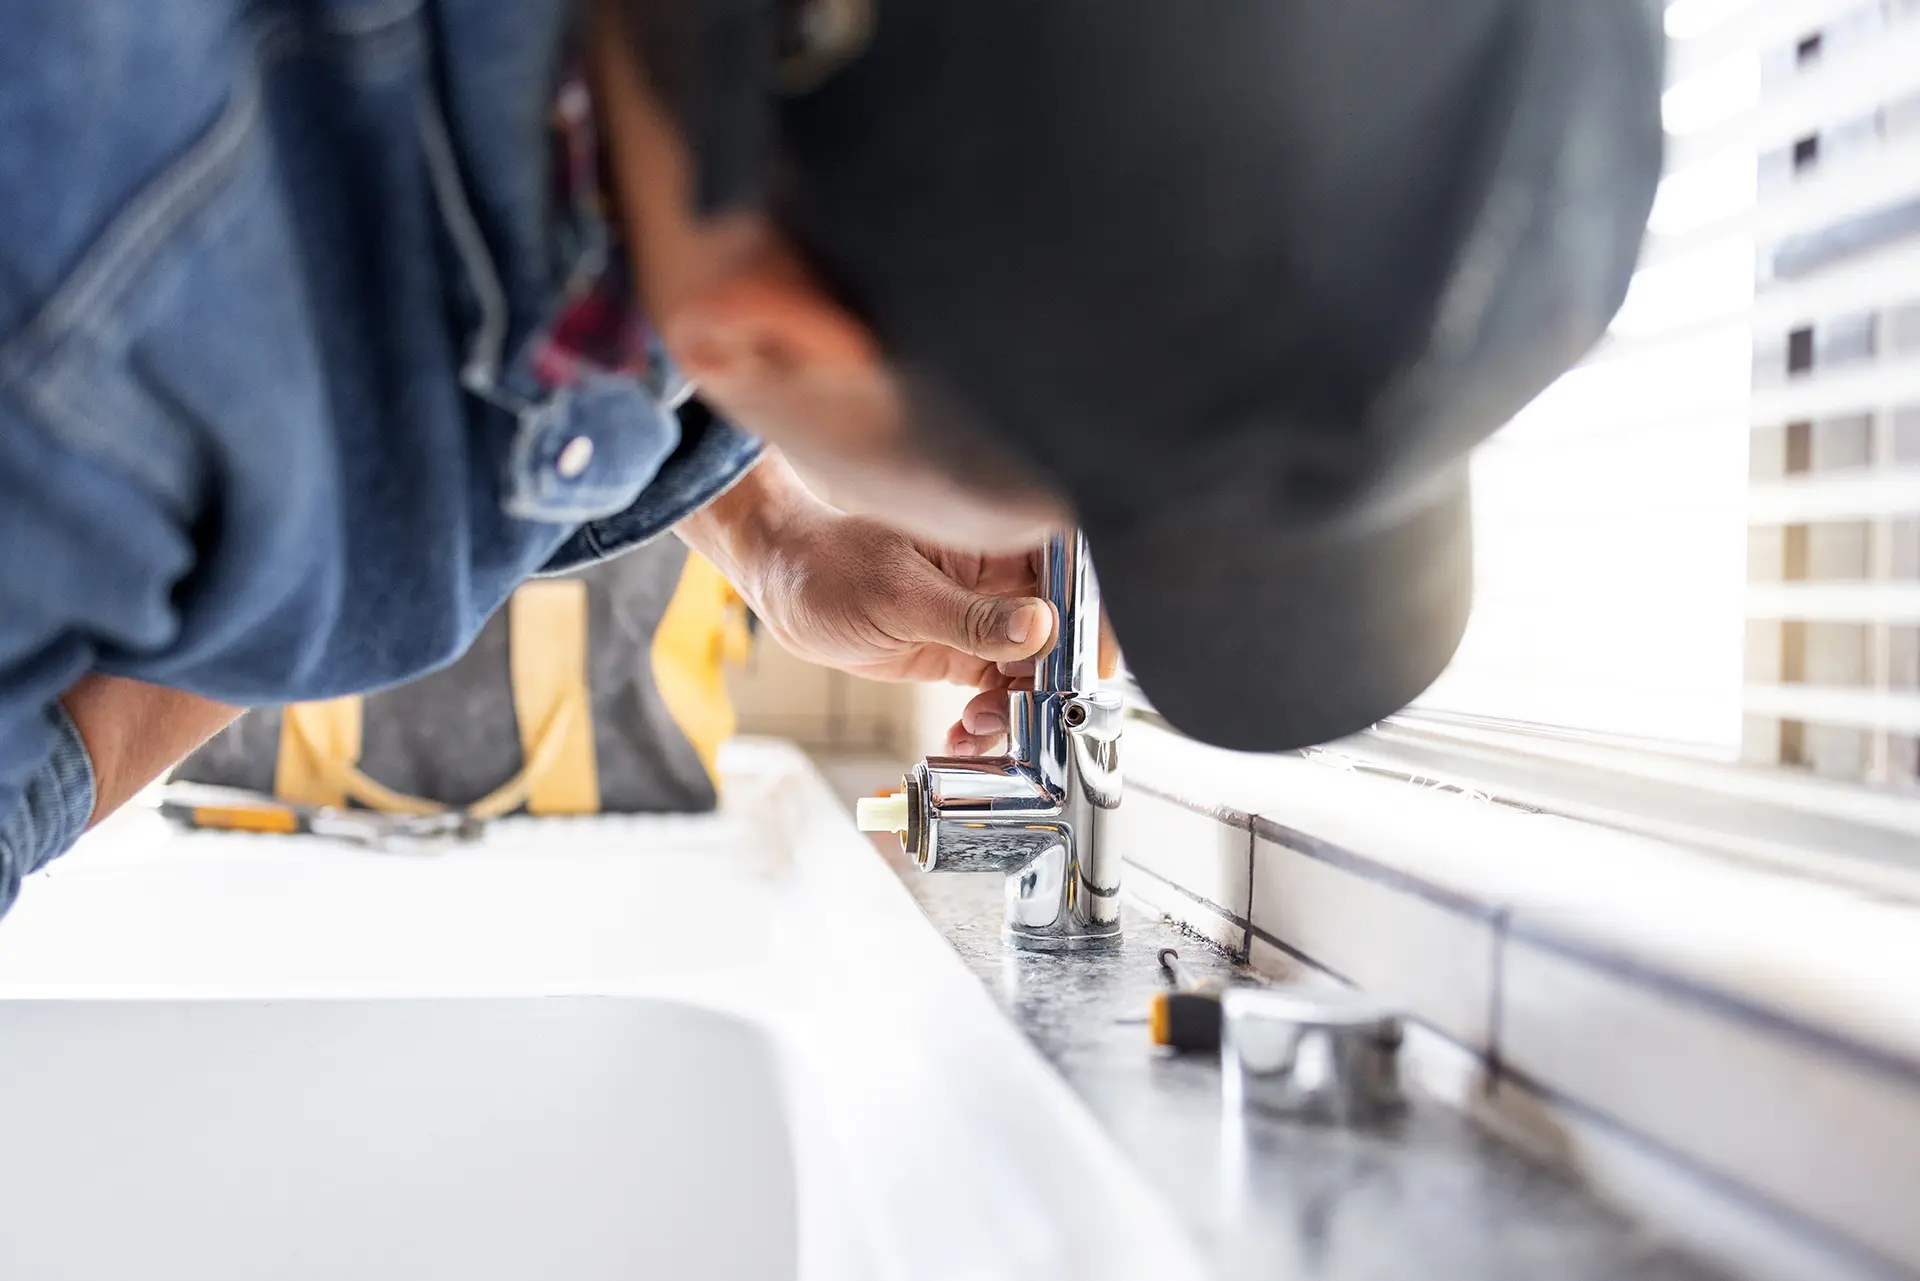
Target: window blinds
(1708,533)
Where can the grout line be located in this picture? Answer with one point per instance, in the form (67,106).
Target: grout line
(1220,813)
(1755,1200)
(1224,913)
(1497,1001)
(1326,852)
(1246,939)
(1687,992)
(1255,932)
(1473,1051)
(1360,865)
(1219,911)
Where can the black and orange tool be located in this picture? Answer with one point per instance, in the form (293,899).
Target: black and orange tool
(280,820)
(1188,1017)
(230,810)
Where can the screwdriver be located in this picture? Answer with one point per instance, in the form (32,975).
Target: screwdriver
(1188,1017)
(245,812)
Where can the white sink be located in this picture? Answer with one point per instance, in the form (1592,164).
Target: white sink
(571,1137)
(653,1048)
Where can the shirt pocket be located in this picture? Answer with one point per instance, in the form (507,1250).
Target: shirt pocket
(588,451)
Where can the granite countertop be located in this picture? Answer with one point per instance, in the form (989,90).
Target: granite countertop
(1430,1194)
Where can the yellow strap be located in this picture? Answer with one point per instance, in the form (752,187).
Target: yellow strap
(704,627)
(547,646)
(320,743)
(338,778)
(505,799)
(314,739)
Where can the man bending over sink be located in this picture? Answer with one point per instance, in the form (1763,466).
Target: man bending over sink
(324,323)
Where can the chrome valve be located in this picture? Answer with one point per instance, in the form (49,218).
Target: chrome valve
(1038,814)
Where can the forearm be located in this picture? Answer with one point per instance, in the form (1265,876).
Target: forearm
(134,732)
(737,530)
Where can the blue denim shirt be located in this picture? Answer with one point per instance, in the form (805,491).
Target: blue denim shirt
(254,261)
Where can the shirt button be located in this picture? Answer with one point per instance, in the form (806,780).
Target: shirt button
(574,457)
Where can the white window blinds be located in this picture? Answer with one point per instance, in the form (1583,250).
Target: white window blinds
(1708,534)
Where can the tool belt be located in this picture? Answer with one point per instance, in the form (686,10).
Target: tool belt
(602,691)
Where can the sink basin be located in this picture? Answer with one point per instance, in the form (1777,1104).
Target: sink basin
(575,1137)
(638,1048)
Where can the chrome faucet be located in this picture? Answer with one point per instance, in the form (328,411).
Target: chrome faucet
(1038,814)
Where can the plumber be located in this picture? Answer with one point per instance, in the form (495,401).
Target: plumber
(323,323)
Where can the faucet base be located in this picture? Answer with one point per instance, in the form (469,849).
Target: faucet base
(1027,941)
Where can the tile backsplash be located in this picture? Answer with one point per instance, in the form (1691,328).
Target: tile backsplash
(781,696)
(1193,865)
(1799,1120)
(1424,949)
(1654,1017)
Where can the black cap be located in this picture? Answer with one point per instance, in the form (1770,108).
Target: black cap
(1246,279)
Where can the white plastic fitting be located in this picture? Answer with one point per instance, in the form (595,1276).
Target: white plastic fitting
(881,813)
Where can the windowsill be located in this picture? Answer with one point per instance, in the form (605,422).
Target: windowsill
(1782,819)
(1744,1024)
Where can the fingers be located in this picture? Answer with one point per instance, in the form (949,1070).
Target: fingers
(982,728)
(985,715)
(1021,669)
(991,628)
(961,743)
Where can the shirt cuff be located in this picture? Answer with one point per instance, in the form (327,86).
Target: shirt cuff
(53,811)
(712,455)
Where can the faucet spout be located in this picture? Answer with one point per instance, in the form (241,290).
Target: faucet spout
(1039,814)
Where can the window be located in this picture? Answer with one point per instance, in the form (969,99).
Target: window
(1707,536)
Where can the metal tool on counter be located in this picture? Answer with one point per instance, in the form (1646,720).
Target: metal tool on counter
(1320,1053)
(229,810)
(1188,1017)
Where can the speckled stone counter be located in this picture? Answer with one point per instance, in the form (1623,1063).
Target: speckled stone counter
(1430,1195)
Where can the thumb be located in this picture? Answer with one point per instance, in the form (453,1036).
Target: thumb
(995,629)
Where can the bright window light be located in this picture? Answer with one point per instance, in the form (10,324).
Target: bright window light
(1689,18)
(1610,515)
(1717,95)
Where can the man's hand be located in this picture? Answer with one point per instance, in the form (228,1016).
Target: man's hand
(856,594)
(982,727)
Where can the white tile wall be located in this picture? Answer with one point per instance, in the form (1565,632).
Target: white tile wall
(1427,951)
(1432,1062)
(1717,1217)
(782,696)
(1202,918)
(1196,866)
(1803,1121)
(1693,1021)
(1818,954)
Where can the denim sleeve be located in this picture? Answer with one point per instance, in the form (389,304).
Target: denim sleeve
(91,562)
(53,808)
